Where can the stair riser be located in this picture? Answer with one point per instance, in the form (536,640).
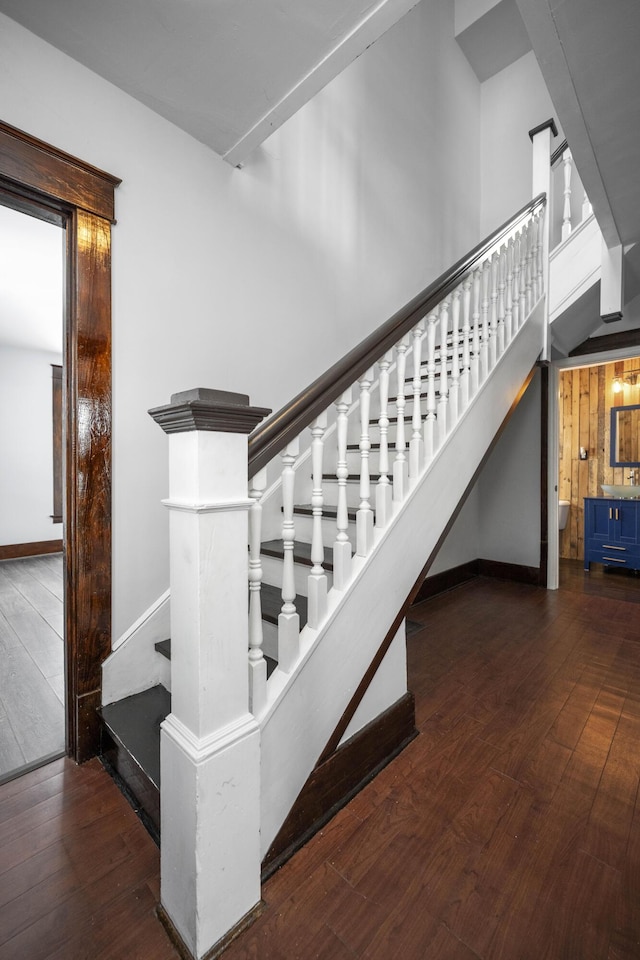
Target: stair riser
(272,573)
(353,494)
(304,529)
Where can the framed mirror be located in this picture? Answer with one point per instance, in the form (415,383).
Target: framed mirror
(625,436)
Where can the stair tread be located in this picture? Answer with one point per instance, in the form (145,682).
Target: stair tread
(135,721)
(164,647)
(329,513)
(352,478)
(271,604)
(301,552)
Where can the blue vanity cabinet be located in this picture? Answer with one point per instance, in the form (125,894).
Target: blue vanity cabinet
(612,532)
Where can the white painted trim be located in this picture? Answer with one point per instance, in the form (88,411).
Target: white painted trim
(370,28)
(223,506)
(142,620)
(567,240)
(296,726)
(200,749)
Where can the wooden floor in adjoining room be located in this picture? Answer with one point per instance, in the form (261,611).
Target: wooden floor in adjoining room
(32,715)
(510,828)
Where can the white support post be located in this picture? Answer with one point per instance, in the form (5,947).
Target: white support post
(383,486)
(416,444)
(493,339)
(566,193)
(443,396)
(288,618)
(342,546)
(454,390)
(400,464)
(364,516)
(317,580)
(466,345)
(611,283)
(541,183)
(430,438)
(257,662)
(210,742)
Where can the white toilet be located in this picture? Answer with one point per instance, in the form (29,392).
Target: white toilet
(563,513)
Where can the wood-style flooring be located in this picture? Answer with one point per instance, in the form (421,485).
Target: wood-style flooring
(31,661)
(509,828)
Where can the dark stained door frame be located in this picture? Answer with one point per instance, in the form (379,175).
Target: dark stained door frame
(46,182)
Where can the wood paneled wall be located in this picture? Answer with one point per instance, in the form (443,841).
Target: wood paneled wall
(586,397)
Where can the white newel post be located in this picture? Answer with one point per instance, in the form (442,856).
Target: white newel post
(210,742)
(541,183)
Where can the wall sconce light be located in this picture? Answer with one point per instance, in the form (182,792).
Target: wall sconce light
(631,377)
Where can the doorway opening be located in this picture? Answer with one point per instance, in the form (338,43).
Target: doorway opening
(586,396)
(82,197)
(32,661)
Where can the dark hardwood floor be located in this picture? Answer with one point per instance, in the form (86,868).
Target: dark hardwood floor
(510,828)
(32,712)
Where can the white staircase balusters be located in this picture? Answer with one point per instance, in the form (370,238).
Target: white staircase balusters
(524,239)
(454,389)
(517,266)
(493,340)
(531,243)
(416,445)
(430,420)
(400,465)
(540,254)
(508,302)
(317,582)
(484,345)
(289,619)
(364,516)
(257,663)
(466,346)
(443,396)
(383,486)
(502,282)
(587,209)
(476,281)
(566,210)
(342,545)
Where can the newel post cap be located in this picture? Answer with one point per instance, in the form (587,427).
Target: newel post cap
(549,124)
(219,411)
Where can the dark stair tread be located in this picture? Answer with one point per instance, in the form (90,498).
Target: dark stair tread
(356,446)
(135,723)
(271,663)
(301,552)
(164,647)
(352,478)
(271,603)
(328,513)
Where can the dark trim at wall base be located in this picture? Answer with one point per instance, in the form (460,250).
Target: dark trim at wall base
(15,551)
(447,580)
(509,571)
(334,782)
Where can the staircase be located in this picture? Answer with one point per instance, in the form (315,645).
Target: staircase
(384,444)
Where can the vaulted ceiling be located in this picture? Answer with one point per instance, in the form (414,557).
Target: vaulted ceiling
(229,72)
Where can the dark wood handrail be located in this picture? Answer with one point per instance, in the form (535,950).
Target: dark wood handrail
(284,426)
(557,153)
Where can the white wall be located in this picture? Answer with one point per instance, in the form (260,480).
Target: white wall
(26,446)
(514,101)
(509,488)
(257,279)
